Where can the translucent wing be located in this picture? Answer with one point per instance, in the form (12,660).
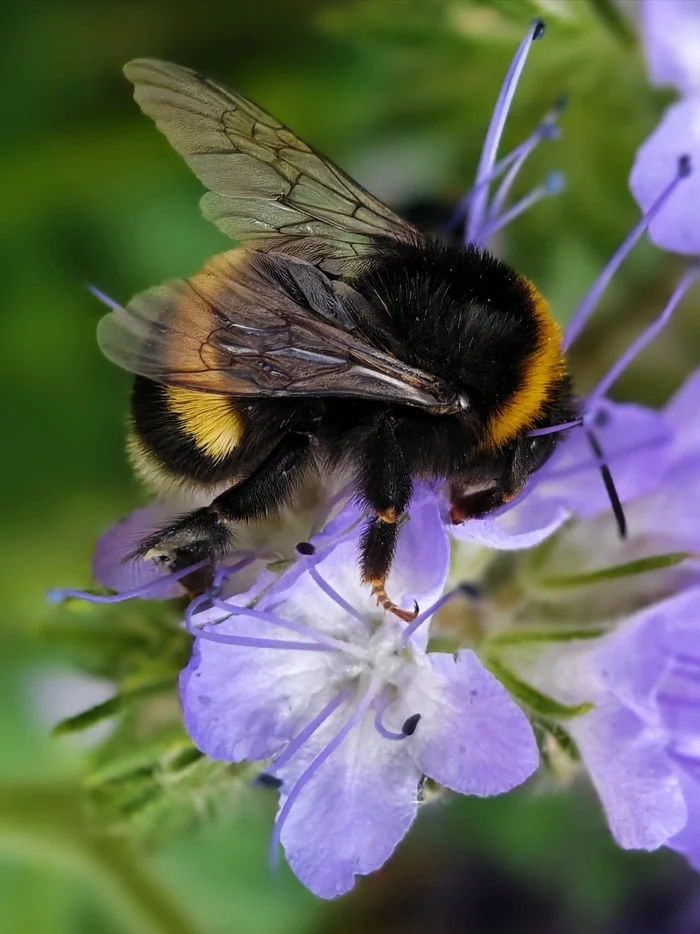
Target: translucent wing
(267,188)
(259,325)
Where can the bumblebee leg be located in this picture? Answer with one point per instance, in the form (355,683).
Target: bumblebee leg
(386,487)
(205,534)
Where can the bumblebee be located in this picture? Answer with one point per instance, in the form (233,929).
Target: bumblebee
(336,336)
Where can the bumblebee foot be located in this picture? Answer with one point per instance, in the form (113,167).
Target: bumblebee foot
(383,600)
(198,536)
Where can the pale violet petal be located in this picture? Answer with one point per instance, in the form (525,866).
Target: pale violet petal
(671,39)
(527,524)
(471,737)
(687,841)
(633,661)
(677,226)
(632,774)
(112,564)
(355,809)
(683,415)
(636,442)
(242,702)
(422,558)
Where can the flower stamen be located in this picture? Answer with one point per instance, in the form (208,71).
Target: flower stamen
(335,596)
(308,731)
(311,770)
(463,589)
(646,337)
(553,185)
(57,596)
(495,130)
(590,302)
(317,637)
(547,129)
(408,728)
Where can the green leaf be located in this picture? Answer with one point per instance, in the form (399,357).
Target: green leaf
(630,569)
(169,744)
(109,708)
(538,703)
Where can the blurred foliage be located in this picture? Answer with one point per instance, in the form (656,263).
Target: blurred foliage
(399,93)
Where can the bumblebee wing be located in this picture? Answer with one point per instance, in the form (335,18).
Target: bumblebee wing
(259,325)
(267,187)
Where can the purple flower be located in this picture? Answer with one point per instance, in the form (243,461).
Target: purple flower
(114,568)
(349,706)
(640,739)
(642,748)
(671,38)
(676,226)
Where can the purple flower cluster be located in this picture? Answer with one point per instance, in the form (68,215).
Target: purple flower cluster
(349,710)
(671,35)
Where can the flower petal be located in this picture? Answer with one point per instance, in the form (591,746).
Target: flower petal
(632,774)
(677,225)
(634,660)
(422,558)
(636,443)
(112,564)
(527,524)
(683,415)
(355,809)
(471,737)
(671,39)
(243,702)
(687,841)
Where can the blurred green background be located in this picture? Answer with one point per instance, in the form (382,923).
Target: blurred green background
(399,93)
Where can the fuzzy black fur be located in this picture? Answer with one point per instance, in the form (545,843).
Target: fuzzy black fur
(456,313)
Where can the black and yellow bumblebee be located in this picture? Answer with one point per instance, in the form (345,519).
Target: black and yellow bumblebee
(336,337)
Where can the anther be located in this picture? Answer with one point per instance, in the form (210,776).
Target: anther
(538,29)
(685,166)
(410,724)
(266,780)
(305,548)
(469,590)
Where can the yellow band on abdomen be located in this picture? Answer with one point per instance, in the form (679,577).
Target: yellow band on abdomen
(211,420)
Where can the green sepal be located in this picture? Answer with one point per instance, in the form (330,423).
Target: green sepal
(630,569)
(166,746)
(563,739)
(539,704)
(544,636)
(109,708)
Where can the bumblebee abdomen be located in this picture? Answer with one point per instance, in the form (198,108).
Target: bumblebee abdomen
(180,435)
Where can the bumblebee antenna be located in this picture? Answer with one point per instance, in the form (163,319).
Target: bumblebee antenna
(610,489)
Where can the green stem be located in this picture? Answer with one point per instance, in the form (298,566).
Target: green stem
(135,890)
(47,823)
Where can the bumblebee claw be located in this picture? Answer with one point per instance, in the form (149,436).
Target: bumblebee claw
(383,600)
